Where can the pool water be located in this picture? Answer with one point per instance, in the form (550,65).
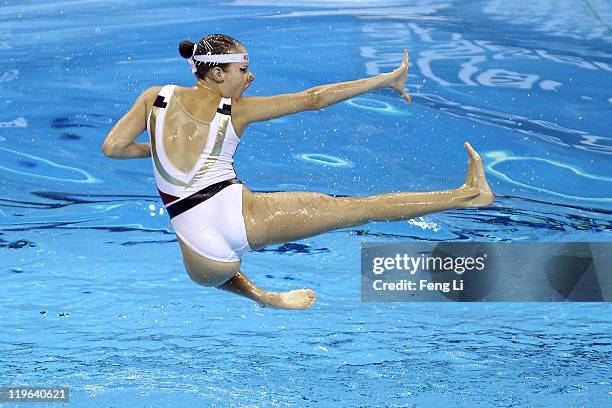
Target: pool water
(94,296)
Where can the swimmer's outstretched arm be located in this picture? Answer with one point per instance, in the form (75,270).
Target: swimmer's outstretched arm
(259,108)
(119,143)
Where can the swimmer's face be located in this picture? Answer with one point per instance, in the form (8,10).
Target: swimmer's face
(238,77)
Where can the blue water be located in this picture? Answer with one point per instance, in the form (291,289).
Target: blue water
(94,296)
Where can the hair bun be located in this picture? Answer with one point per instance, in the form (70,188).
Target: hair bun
(186,49)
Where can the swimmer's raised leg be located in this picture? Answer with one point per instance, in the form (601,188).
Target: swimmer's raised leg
(273,218)
(295,299)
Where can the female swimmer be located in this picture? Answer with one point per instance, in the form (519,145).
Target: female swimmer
(194,133)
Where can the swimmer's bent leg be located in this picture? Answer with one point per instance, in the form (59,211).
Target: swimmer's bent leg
(228,276)
(275,218)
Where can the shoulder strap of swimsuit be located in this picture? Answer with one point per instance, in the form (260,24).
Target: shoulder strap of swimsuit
(225,106)
(164,96)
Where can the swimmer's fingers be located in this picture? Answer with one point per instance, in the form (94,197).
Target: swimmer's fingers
(405,60)
(407,97)
(402,70)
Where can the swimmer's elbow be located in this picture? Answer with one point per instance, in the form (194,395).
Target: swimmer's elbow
(110,150)
(313,99)
(106,150)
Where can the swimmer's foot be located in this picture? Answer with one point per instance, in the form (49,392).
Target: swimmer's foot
(299,299)
(476,189)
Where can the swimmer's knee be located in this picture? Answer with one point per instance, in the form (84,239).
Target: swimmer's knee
(205,271)
(212,275)
(209,278)
(354,210)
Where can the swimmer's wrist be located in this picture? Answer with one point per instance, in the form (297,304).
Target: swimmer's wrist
(386,80)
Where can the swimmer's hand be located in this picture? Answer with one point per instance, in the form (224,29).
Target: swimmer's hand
(399,77)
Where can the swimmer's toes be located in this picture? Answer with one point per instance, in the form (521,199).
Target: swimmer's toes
(312,296)
(301,299)
(476,181)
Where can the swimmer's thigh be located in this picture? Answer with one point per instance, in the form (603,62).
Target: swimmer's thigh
(273,218)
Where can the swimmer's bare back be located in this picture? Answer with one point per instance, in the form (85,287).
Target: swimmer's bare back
(273,218)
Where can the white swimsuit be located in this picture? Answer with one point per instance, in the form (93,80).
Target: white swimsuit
(204,204)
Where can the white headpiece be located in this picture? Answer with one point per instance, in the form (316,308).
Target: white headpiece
(216,58)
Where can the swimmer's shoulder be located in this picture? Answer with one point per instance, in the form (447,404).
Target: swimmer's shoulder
(151,93)
(148,96)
